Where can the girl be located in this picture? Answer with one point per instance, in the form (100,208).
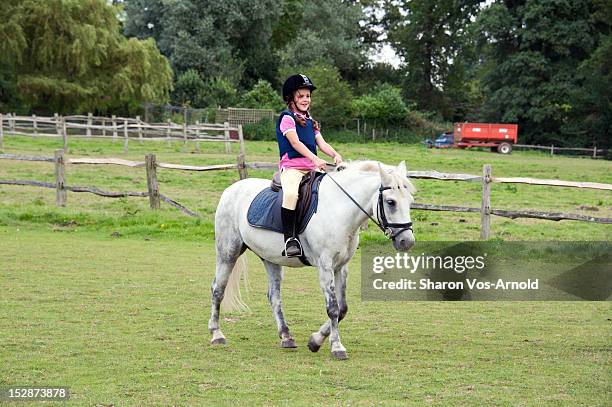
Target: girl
(298,137)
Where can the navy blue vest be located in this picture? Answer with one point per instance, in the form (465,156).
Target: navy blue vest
(306,135)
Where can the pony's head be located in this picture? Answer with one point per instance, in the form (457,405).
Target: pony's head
(392,205)
(391,202)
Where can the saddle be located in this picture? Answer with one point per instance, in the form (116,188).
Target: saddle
(265,210)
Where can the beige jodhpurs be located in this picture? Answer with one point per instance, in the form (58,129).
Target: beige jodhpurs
(290,180)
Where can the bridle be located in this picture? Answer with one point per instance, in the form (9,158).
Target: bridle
(382,222)
(380,214)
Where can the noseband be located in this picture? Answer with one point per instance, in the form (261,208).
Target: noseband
(382,222)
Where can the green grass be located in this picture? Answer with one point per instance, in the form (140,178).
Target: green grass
(112,299)
(123,322)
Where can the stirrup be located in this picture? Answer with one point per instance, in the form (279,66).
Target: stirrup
(293,239)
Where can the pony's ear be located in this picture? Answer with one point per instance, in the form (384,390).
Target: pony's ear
(401,169)
(384,176)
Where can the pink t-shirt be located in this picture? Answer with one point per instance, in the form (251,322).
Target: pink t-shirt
(299,163)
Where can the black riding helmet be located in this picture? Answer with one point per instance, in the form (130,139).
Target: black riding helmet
(295,82)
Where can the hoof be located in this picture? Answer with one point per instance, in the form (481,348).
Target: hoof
(218,341)
(340,355)
(313,345)
(288,344)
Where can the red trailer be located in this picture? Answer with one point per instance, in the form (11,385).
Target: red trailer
(499,137)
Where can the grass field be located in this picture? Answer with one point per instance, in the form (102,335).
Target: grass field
(112,300)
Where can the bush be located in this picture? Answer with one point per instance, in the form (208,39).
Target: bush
(265,129)
(262,96)
(189,89)
(220,92)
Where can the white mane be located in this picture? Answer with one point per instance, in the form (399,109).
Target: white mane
(370,167)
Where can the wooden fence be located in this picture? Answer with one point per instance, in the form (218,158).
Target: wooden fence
(238,116)
(151,165)
(552,148)
(118,129)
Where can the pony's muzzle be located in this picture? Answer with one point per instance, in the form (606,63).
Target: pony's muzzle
(404,241)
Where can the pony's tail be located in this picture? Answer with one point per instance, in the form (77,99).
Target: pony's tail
(232,300)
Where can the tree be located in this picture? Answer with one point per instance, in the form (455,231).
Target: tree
(532,50)
(69,56)
(189,89)
(219,39)
(591,115)
(384,107)
(329,31)
(429,35)
(262,96)
(219,92)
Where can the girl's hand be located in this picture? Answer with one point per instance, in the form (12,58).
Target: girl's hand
(319,163)
(337,159)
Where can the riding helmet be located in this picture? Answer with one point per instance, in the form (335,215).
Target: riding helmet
(295,82)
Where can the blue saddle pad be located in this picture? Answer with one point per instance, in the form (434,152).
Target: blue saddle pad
(265,210)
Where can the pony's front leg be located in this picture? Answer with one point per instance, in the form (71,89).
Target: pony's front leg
(318,338)
(327,279)
(275,278)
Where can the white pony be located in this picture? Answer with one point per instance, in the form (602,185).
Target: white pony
(329,241)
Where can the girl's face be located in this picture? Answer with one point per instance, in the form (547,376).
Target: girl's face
(301,98)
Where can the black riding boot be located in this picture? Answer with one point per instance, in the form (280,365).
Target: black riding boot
(293,248)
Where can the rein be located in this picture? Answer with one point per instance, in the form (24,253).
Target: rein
(382,223)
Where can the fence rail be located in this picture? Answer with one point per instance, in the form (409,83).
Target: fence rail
(552,148)
(155,196)
(118,128)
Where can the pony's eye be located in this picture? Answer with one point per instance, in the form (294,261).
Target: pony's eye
(390,202)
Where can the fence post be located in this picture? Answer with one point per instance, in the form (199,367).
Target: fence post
(89,123)
(197,135)
(125,135)
(226,135)
(184,133)
(242,170)
(60,191)
(139,129)
(34,125)
(485,208)
(552,150)
(594,151)
(57,124)
(13,123)
(241,139)
(104,127)
(1,131)
(152,184)
(114,122)
(168,131)
(64,134)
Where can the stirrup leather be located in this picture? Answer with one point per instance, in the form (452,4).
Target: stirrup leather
(293,239)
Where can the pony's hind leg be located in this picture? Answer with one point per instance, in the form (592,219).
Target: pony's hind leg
(275,278)
(318,338)
(227,255)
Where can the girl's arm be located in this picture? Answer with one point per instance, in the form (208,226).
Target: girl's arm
(327,149)
(302,149)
